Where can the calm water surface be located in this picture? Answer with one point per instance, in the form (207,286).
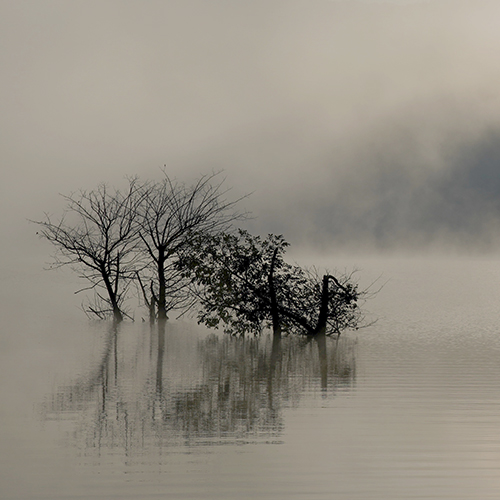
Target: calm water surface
(408,408)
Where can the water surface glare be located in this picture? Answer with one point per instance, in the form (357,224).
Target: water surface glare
(408,408)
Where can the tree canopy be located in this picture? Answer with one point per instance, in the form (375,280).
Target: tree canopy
(243,284)
(171,214)
(178,244)
(114,238)
(97,236)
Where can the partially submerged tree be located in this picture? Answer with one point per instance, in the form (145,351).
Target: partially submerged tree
(97,237)
(171,239)
(243,283)
(172,215)
(230,277)
(114,238)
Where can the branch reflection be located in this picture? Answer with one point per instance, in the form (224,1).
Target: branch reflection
(180,390)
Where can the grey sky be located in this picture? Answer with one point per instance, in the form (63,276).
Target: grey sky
(356,124)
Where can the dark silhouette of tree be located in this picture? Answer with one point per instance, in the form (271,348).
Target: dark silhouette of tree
(231,275)
(243,283)
(173,241)
(97,236)
(150,299)
(114,239)
(171,215)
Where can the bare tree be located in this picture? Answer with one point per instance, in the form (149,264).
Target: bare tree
(171,215)
(98,237)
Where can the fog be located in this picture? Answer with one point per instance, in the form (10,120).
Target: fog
(365,130)
(357,126)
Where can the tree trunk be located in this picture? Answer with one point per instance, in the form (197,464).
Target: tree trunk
(152,305)
(117,314)
(162,308)
(323,310)
(152,312)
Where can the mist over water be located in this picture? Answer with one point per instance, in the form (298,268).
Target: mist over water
(353,124)
(405,408)
(367,133)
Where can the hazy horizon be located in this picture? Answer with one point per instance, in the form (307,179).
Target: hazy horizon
(368,134)
(358,126)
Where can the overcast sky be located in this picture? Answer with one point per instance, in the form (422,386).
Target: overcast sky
(356,125)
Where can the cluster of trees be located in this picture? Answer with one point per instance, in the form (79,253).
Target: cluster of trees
(176,247)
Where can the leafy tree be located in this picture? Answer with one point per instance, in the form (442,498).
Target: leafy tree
(171,240)
(97,236)
(243,283)
(230,276)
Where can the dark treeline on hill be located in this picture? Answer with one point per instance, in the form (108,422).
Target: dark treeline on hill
(175,247)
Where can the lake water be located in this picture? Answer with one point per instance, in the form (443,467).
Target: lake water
(408,408)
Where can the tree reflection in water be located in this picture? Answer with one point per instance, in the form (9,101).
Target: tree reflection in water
(182,390)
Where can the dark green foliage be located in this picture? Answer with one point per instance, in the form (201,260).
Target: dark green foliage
(236,275)
(230,274)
